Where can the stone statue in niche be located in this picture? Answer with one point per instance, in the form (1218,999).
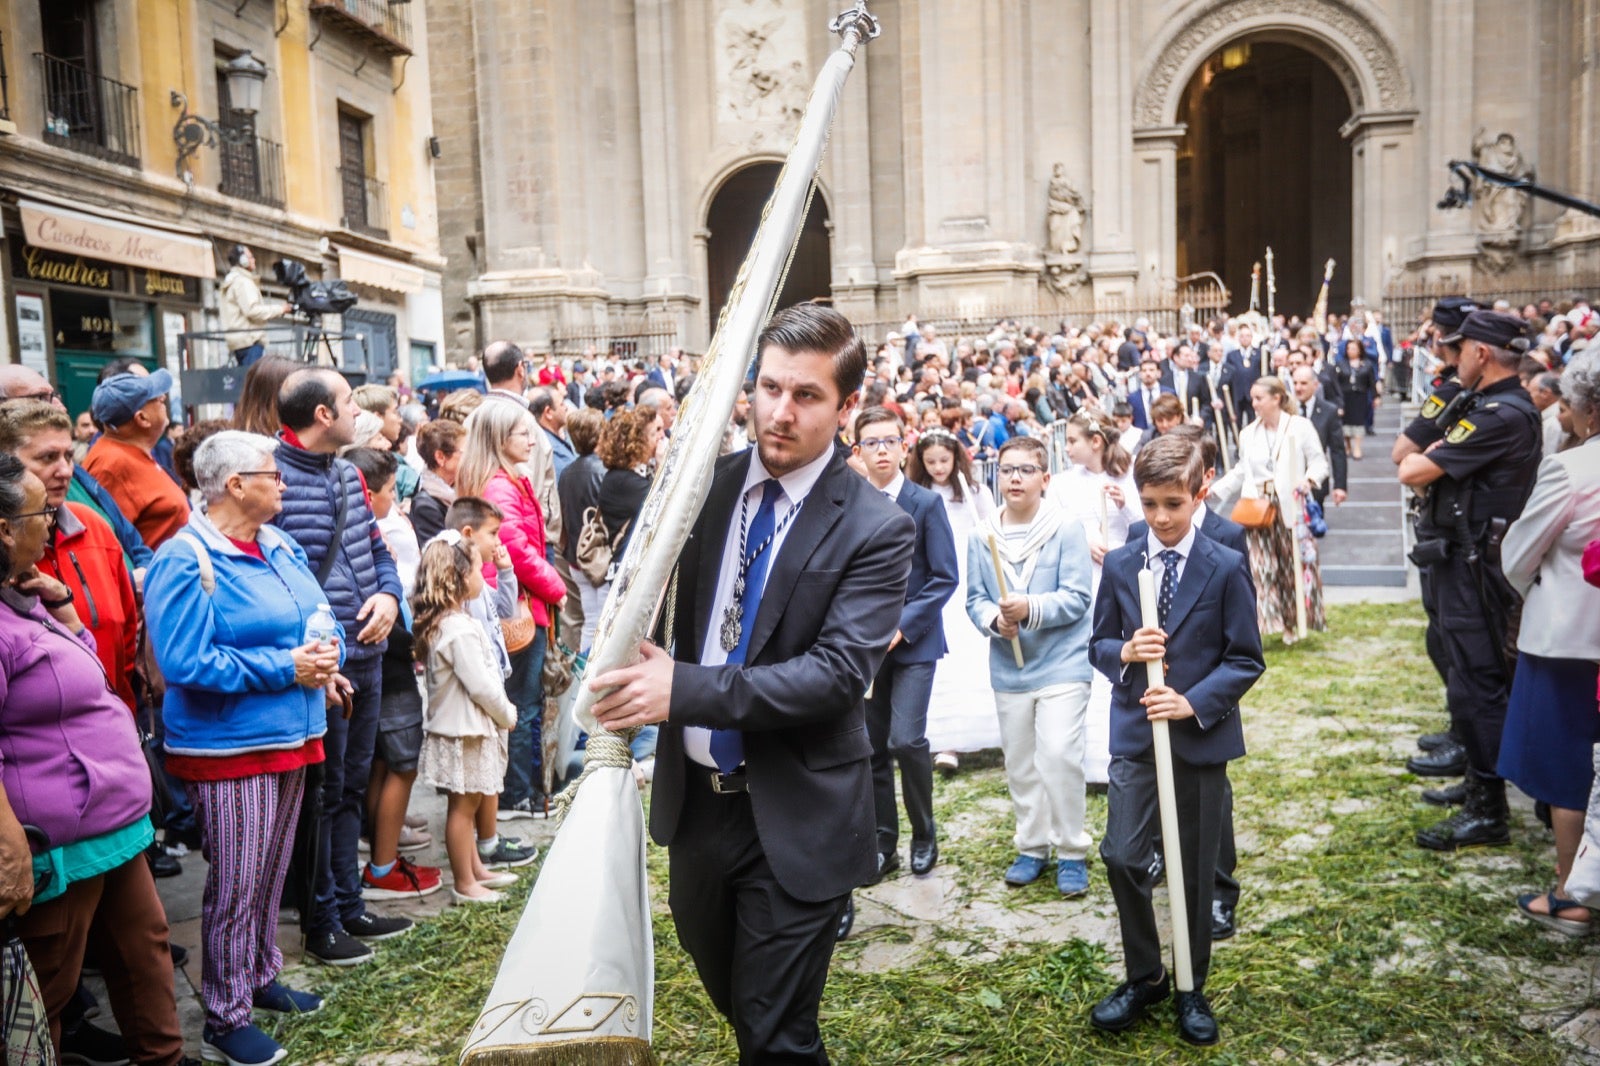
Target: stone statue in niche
(760,47)
(1499,212)
(1066,214)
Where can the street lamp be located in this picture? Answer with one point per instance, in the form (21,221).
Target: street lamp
(246,77)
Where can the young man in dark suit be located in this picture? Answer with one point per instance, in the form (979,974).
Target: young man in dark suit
(897,709)
(1142,397)
(1181,375)
(1330,430)
(789,591)
(1230,534)
(1208,638)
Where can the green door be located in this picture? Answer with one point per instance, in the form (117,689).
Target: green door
(77,373)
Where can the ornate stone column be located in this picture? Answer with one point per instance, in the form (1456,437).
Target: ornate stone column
(1583,116)
(1113,264)
(1155,186)
(1449,245)
(1382,156)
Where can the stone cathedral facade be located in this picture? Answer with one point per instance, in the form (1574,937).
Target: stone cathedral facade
(606,159)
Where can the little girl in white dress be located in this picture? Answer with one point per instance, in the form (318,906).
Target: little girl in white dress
(1098,491)
(961,714)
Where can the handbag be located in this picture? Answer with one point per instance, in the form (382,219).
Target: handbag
(596,546)
(520,630)
(559,663)
(1315,520)
(1258,512)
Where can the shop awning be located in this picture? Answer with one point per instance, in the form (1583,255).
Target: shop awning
(80,231)
(379,273)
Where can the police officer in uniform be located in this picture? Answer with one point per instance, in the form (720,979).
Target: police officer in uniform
(1476,481)
(1443,754)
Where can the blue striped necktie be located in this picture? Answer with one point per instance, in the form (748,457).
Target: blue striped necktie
(727,745)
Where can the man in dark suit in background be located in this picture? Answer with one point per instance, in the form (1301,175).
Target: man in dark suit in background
(1330,428)
(1249,361)
(897,710)
(1142,396)
(763,782)
(1181,376)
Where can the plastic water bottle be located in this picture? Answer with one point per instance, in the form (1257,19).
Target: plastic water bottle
(322,628)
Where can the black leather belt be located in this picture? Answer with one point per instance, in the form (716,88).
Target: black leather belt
(728,784)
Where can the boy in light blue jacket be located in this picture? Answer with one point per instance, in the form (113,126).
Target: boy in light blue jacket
(1038,626)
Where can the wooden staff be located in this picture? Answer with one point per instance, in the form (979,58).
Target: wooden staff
(1194,409)
(1167,797)
(1233,418)
(1000,583)
(1293,458)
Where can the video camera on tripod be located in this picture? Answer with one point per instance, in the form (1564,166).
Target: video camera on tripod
(313,298)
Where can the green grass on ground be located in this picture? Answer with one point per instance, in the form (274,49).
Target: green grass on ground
(1355,945)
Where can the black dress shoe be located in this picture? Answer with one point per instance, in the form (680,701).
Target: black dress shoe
(162,864)
(1480,822)
(1447,760)
(1222,926)
(847,920)
(1454,796)
(888,863)
(923,856)
(1195,1023)
(1430,741)
(1127,1004)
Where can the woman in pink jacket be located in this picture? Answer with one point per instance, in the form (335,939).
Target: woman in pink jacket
(499,441)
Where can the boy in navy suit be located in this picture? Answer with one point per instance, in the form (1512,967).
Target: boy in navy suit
(1212,649)
(897,706)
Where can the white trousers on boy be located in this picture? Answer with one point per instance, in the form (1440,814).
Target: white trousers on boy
(1042,735)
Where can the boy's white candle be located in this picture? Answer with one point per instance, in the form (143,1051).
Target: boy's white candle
(1166,795)
(1000,586)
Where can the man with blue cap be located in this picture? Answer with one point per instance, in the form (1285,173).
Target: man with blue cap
(132,412)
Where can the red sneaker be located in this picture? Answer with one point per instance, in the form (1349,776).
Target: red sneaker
(403,882)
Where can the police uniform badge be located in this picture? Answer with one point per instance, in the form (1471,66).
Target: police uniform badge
(1431,407)
(1460,432)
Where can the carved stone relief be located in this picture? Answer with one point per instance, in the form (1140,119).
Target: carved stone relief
(1157,91)
(759,49)
(1065,215)
(1499,213)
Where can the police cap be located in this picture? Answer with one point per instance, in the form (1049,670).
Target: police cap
(1493,328)
(1449,313)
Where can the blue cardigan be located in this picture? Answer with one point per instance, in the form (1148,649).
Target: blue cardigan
(225,655)
(1055,638)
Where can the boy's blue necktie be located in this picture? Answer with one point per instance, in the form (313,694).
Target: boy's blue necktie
(727,745)
(1169,584)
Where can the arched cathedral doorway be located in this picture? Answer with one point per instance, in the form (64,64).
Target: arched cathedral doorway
(732,221)
(1263,162)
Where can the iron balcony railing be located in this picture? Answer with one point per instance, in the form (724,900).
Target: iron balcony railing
(365,203)
(383,24)
(252,167)
(88,113)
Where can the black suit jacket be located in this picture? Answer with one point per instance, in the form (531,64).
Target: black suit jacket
(1330,427)
(1199,390)
(1225,531)
(1213,651)
(831,604)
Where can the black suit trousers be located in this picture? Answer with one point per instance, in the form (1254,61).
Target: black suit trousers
(1132,822)
(897,725)
(762,955)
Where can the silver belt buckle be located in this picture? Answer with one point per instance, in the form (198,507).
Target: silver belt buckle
(718,779)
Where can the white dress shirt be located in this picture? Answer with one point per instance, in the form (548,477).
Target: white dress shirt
(892,490)
(796,485)
(1153,549)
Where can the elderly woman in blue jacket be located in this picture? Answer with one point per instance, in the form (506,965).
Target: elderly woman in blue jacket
(228,601)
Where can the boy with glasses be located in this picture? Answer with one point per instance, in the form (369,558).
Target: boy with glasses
(897,704)
(1041,606)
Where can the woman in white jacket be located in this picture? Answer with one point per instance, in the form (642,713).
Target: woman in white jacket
(1552,723)
(1280,460)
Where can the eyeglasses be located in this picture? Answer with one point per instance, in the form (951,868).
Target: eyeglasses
(276,475)
(49,517)
(1020,470)
(878,444)
(49,396)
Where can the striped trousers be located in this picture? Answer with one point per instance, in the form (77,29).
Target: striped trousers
(248,825)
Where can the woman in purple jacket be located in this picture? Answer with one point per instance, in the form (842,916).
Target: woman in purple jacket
(71,765)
